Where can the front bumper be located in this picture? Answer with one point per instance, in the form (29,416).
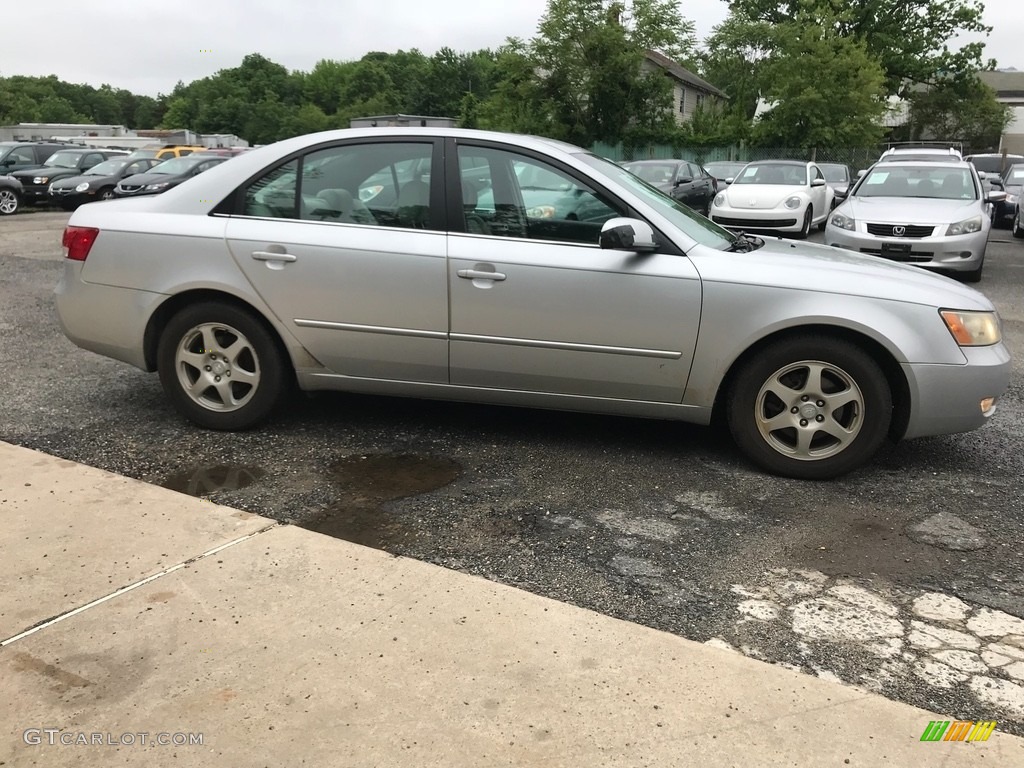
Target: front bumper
(945,399)
(35,193)
(960,253)
(773,219)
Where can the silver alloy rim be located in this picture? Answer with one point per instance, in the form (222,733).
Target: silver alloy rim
(8,201)
(108,195)
(809,410)
(217,367)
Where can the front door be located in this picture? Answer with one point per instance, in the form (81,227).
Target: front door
(537,305)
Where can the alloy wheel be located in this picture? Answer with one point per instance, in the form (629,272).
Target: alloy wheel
(217,367)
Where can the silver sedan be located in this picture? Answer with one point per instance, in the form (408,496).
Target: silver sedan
(496,268)
(932,214)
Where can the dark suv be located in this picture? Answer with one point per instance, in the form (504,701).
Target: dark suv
(64,162)
(20,155)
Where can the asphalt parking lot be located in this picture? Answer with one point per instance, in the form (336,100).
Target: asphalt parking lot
(896,578)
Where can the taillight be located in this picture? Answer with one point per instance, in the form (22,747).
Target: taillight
(78,241)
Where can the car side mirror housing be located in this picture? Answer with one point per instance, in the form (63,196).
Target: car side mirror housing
(729,180)
(818,182)
(683,180)
(861,172)
(996,196)
(622,234)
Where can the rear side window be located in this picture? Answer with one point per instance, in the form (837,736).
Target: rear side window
(273,195)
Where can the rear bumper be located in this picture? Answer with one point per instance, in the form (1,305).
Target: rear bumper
(103,319)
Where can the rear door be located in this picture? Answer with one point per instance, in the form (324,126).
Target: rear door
(354,268)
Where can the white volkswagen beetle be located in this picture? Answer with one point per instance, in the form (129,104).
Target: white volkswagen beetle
(777,195)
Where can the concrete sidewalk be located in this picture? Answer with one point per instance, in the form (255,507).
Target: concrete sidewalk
(127,609)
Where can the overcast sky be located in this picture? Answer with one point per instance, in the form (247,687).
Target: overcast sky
(146,46)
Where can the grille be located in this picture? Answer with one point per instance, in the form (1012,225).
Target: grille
(912,256)
(912,230)
(131,187)
(753,223)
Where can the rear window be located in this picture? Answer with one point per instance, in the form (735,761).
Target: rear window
(994,164)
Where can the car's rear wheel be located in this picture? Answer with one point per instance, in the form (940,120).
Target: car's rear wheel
(805,230)
(810,407)
(10,202)
(1018,224)
(220,366)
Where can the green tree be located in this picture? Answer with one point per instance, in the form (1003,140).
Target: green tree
(838,102)
(964,109)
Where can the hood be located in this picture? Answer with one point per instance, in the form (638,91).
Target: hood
(51,172)
(910,210)
(806,266)
(74,181)
(758,196)
(152,178)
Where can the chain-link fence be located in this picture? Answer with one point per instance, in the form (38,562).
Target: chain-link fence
(856,158)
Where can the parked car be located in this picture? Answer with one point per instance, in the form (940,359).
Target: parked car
(62,164)
(97,183)
(223,151)
(164,176)
(1017,226)
(1012,183)
(724,171)
(779,195)
(993,164)
(683,180)
(929,214)
(839,177)
(280,274)
(22,155)
(10,195)
(167,151)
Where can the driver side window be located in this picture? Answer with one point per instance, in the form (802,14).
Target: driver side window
(511,195)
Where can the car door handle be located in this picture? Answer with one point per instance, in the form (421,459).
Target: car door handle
(268,256)
(479,274)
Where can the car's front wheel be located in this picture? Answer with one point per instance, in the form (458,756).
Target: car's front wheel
(220,366)
(805,230)
(10,202)
(810,407)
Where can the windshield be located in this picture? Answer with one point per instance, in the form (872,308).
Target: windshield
(834,173)
(723,170)
(1014,175)
(62,160)
(653,173)
(699,228)
(176,165)
(782,174)
(924,181)
(107,167)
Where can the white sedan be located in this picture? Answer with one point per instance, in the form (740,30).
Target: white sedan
(777,195)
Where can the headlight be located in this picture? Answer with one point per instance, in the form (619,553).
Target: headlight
(157,186)
(972,329)
(842,221)
(965,227)
(40,179)
(82,187)
(792,203)
(720,199)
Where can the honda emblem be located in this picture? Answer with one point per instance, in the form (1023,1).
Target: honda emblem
(899,231)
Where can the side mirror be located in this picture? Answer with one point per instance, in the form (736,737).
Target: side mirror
(729,180)
(996,196)
(861,172)
(682,180)
(818,182)
(621,234)
(982,175)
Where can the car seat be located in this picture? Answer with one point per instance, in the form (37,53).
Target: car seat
(474,223)
(414,204)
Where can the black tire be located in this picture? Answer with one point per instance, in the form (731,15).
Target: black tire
(805,230)
(1018,224)
(107,193)
(794,447)
(212,329)
(974,276)
(10,202)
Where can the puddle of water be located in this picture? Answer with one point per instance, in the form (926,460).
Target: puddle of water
(366,482)
(204,481)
